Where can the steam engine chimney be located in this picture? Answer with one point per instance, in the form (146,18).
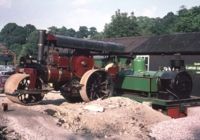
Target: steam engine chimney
(41,42)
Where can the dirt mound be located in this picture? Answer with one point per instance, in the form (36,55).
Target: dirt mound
(112,118)
(115,117)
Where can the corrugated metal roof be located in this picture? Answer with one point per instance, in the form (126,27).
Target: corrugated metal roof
(183,42)
(130,43)
(173,43)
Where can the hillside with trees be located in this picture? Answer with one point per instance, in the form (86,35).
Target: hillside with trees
(123,25)
(23,40)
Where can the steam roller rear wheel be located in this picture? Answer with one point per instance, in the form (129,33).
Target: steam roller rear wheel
(96,84)
(20,82)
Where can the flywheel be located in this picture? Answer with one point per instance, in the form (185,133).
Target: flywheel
(17,90)
(96,84)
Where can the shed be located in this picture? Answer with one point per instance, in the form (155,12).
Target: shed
(159,50)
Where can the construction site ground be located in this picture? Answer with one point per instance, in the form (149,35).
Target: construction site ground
(116,118)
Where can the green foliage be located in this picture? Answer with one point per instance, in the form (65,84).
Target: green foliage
(98,36)
(12,33)
(71,32)
(144,25)
(33,38)
(19,39)
(188,20)
(121,25)
(17,48)
(29,29)
(92,32)
(53,30)
(31,43)
(83,32)
(165,25)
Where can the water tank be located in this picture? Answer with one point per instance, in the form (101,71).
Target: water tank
(139,64)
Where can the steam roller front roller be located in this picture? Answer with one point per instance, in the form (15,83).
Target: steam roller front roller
(96,84)
(18,91)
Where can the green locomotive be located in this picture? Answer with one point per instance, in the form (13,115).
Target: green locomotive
(168,90)
(162,84)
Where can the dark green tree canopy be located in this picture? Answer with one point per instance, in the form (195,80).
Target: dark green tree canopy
(121,25)
(92,32)
(83,32)
(188,20)
(144,25)
(29,29)
(12,33)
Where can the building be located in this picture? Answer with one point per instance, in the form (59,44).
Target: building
(159,50)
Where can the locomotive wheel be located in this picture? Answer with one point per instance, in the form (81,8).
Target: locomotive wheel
(19,82)
(96,84)
(70,91)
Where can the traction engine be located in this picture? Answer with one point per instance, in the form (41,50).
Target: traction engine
(67,65)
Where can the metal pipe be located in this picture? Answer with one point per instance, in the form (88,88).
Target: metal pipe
(41,42)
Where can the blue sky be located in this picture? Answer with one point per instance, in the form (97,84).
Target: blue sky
(75,13)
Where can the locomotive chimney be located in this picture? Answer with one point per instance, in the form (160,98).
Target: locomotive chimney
(41,42)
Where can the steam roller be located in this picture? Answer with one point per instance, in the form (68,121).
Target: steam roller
(17,89)
(63,64)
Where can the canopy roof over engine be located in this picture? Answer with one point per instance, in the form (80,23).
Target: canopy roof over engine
(92,45)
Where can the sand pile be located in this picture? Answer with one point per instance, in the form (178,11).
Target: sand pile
(115,117)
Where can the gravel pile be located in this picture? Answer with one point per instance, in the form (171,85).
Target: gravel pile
(187,128)
(114,118)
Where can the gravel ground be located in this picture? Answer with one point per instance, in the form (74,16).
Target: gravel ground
(187,128)
(121,118)
(7,133)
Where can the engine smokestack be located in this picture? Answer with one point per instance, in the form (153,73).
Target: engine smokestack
(41,42)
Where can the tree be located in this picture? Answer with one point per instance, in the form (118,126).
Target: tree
(99,36)
(169,22)
(32,43)
(29,29)
(92,32)
(62,31)
(17,48)
(144,25)
(158,27)
(53,29)
(188,20)
(83,32)
(71,32)
(12,33)
(165,25)
(121,25)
